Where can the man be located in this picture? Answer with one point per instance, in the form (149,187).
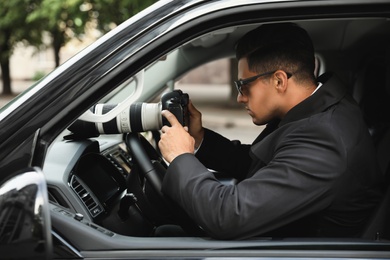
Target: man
(311,172)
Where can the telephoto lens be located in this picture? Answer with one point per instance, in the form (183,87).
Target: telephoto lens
(139,117)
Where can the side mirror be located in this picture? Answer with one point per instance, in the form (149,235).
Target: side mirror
(25,228)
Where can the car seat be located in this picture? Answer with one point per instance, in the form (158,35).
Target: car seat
(372,92)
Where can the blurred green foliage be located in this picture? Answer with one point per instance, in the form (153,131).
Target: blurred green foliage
(111,13)
(27,20)
(63,20)
(38,75)
(67,19)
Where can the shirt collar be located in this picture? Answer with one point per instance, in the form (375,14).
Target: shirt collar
(317,88)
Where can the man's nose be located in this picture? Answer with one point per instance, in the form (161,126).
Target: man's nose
(241,98)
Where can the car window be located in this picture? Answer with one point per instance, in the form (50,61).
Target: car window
(124,90)
(209,87)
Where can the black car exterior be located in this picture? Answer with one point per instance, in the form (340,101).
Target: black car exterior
(31,122)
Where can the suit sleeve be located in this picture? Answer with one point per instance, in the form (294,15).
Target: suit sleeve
(228,157)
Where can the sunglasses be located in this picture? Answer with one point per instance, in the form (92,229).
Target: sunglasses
(242,82)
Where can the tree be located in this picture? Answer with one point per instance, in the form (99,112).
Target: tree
(111,13)
(63,20)
(26,20)
(14,28)
(67,19)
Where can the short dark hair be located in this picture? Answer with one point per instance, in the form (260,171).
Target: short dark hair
(284,46)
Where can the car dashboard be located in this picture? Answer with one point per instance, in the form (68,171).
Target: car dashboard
(86,180)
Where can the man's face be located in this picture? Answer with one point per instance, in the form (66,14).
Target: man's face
(259,97)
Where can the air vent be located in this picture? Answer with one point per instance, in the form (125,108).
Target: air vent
(85,196)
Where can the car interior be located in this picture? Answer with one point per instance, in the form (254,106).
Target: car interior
(101,195)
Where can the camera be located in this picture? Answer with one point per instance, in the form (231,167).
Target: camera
(177,103)
(139,117)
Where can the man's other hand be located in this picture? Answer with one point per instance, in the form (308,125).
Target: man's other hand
(175,140)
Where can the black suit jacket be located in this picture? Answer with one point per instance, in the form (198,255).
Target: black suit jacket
(311,174)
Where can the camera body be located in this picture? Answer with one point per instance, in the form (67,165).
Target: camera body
(177,103)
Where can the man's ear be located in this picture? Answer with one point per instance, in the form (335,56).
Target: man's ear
(280,81)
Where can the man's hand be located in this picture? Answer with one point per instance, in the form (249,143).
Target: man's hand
(196,129)
(175,140)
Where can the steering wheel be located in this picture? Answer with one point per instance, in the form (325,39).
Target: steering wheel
(145,180)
